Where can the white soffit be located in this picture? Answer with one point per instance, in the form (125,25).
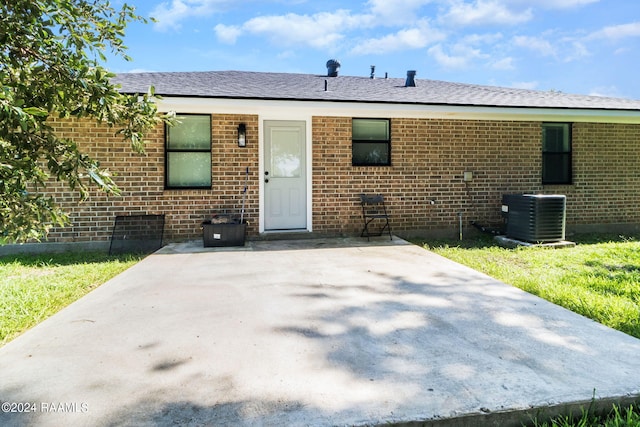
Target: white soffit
(385,110)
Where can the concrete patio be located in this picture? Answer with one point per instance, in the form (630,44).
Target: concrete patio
(317,332)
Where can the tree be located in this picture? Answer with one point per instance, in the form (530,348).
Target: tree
(50,56)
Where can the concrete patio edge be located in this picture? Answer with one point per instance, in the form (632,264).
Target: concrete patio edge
(319,332)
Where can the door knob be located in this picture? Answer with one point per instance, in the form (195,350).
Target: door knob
(266,180)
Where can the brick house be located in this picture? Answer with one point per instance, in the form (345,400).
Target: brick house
(312,143)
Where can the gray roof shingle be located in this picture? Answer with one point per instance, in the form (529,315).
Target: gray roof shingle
(309,87)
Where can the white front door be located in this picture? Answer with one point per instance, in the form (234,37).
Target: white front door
(285,175)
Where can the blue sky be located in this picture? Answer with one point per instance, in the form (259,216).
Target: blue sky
(575,46)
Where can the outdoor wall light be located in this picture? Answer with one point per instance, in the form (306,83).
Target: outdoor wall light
(242,135)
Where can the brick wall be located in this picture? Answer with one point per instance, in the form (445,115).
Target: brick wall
(141,180)
(606,170)
(424,185)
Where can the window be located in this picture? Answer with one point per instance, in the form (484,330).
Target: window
(188,152)
(556,153)
(371,142)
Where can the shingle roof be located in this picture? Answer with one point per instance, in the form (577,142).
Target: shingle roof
(309,87)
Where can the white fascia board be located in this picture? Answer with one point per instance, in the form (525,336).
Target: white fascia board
(292,109)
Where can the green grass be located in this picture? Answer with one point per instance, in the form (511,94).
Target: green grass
(599,278)
(33,287)
(617,417)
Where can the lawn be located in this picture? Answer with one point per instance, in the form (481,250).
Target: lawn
(598,278)
(33,287)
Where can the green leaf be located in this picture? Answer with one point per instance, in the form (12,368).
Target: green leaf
(36,111)
(51,59)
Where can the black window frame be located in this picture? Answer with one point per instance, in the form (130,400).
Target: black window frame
(564,156)
(387,141)
(169,150)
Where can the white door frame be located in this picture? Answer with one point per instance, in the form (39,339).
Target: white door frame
(309,169)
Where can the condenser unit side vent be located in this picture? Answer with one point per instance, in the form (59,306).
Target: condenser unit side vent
(535,218)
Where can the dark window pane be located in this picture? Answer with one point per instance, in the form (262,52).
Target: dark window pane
(556,169)
(370,153)
(555,138)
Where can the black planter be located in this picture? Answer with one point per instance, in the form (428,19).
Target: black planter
(230,234)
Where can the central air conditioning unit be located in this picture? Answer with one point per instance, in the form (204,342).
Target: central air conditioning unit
(535,218)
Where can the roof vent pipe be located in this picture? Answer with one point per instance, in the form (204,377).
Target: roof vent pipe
(332,67)
(411,79)
(373,72)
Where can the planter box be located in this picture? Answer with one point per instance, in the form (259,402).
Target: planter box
(215,235)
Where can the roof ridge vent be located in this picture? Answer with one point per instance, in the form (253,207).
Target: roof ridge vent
(332,67)
(411,79)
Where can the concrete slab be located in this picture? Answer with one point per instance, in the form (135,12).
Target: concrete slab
(309,333)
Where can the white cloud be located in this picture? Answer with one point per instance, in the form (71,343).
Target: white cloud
(503,64)
(396,12)
(320,30)
(410,38)
(617,32)
(578,50)
(447,61)
(483,12)
(536,44)
(326,29)
(607,91)
(565,4)
(286,54)
(564,49)
(532,85)
(471,44)
(460,57)
(227,33)
(483,38)
(554,4)
(170,15)
(139,70)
